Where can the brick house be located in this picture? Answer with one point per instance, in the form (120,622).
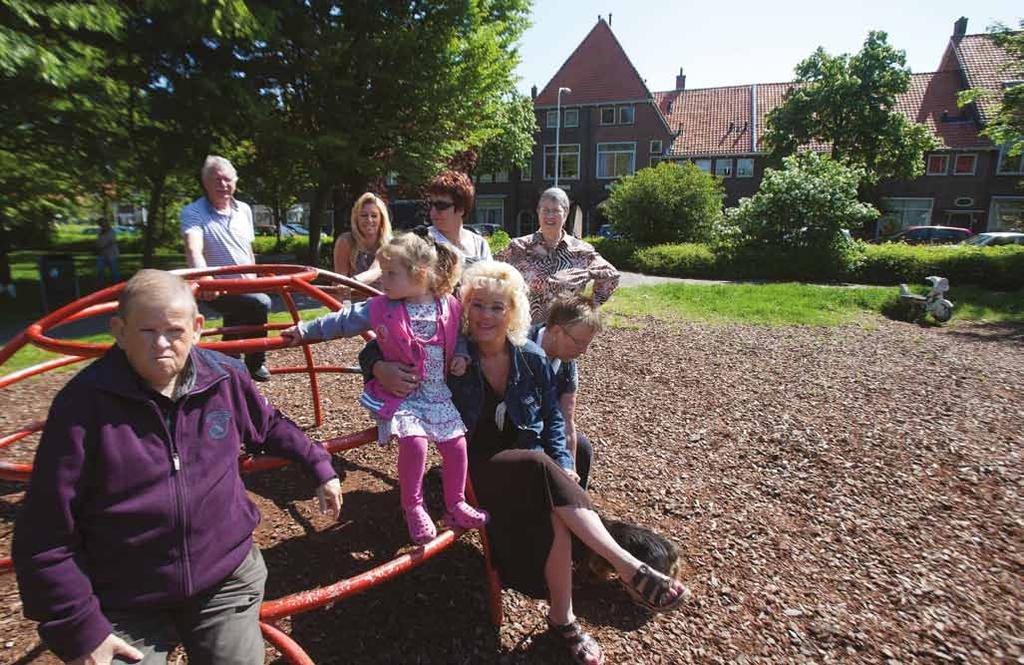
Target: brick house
(612,125)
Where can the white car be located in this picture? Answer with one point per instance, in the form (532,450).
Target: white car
(995,238)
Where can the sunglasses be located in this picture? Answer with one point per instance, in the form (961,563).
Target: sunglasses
(440,206)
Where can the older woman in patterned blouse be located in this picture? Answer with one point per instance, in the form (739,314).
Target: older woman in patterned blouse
(552,261)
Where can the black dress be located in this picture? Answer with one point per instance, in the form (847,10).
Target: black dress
(519,488)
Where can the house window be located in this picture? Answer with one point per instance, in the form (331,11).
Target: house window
(1006,213)
(937,164)
(1010,165)
(485,178)
(608,116)
(899,213)
(626,115)
(489,211)
(723,168)
(501,176)
(526,173)
(703,164)
(569,158)
(572,117)
(655,147)
(965,164)
(615,160)
(745,168)
(552,121)
(391,179)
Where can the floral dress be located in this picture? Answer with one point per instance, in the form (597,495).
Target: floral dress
(428,411)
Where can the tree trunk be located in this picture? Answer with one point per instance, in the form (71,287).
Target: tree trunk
(316,215)
(154,220)
(5,260)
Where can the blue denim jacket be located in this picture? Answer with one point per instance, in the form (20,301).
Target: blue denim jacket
(530,397)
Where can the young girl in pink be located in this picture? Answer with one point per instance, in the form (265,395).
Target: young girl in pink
(416,322)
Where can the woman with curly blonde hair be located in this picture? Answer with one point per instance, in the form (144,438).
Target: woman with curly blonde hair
(355,251)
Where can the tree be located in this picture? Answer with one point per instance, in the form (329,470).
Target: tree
(1006,127)
(849,103)
(805,204)
(369,88)
(666,203)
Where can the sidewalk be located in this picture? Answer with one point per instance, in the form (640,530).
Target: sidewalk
(628,279)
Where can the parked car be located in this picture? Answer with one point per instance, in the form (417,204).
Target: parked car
(930,235)
(996,238)
(608,231)
(484,229)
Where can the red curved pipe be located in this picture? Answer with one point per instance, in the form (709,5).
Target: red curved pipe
(291,651)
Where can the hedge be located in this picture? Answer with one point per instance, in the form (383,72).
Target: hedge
(999,268)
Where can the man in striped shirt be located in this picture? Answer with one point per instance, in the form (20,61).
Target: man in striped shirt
(219,231)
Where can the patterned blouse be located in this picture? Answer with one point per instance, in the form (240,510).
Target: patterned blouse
(567,267)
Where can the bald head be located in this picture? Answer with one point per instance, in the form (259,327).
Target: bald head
(155,287)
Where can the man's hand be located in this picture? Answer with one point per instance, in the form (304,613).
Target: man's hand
(396,378)
(105,652)
(458,365)
(207,295)
(329,495)
(292,336)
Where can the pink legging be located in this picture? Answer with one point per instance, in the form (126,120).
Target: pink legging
(412,458)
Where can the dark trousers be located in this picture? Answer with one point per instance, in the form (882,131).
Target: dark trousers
(247,309)
(217,627)
(584,456)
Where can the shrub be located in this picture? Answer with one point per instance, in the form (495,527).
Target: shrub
(683,260)
(666,203)
(999,268)
(620,253)
(498,241)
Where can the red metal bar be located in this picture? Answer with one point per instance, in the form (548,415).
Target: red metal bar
(314,383)
(6,566)
(288,647)
(19,473)
(304,601)
(336,369)
(347,442)
(13,346)
(41,368)
(20,434)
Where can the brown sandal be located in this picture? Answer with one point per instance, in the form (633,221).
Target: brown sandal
(653,590)
(583,648)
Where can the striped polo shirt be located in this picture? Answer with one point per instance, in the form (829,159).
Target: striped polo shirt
(227,239)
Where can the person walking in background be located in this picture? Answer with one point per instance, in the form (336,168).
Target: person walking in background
(107,253)
(219,231)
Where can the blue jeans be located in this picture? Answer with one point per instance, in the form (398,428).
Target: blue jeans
(218,626)
(247,309)
(110,264)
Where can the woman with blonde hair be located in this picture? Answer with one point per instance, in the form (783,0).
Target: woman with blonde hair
(355,251)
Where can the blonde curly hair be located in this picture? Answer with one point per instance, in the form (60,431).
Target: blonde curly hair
(503,278)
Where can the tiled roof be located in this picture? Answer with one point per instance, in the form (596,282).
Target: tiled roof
(597,71)
(983,62)
(928,97)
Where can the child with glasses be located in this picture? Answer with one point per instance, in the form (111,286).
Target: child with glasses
(416,322)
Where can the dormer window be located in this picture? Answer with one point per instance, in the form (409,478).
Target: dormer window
(656,147)
(608,115)
(626,115)
(572,118)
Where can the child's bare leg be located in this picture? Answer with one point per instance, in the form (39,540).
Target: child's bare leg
(453,478)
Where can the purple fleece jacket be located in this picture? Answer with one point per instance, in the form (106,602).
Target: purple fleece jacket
(109,523)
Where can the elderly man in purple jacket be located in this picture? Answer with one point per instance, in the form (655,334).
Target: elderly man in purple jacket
(136,531)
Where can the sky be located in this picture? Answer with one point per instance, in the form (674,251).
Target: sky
(739,42)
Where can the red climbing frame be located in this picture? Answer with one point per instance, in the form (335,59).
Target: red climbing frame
(284,280)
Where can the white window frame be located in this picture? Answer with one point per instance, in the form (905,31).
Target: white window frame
(600,113)
(501,176)
(1002,155)
(658,150)
(750,173)
(931,208)
(928,164)
(703,164)
(730,170)
(561,153)
(990,221)
(632,115)
(489,203)
(551,119)
(575,114)
(965,154)
(484,178)
(631,153)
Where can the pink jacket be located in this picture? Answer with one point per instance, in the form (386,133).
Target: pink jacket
(390,323)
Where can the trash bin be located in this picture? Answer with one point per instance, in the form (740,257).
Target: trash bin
(58,282)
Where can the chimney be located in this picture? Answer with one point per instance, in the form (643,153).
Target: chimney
(533,92)
(960,27)
(681,80)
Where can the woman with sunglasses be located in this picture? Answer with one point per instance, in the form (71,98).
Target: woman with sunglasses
(450,198)
(552,261)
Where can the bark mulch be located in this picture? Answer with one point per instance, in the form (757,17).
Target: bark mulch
(848,494)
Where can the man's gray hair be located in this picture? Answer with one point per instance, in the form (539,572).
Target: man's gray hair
(556,194)
(217,163)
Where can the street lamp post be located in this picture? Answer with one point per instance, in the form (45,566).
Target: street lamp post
(558,128)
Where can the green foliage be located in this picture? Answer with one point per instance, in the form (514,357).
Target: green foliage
(1006,126)
(1000,268)
(682,260)
(620,252)
(511,142)
(849,103)
(667,203)
(797,217)
(498,241)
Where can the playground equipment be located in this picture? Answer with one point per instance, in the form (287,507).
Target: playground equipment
(284,280)
(935,303)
